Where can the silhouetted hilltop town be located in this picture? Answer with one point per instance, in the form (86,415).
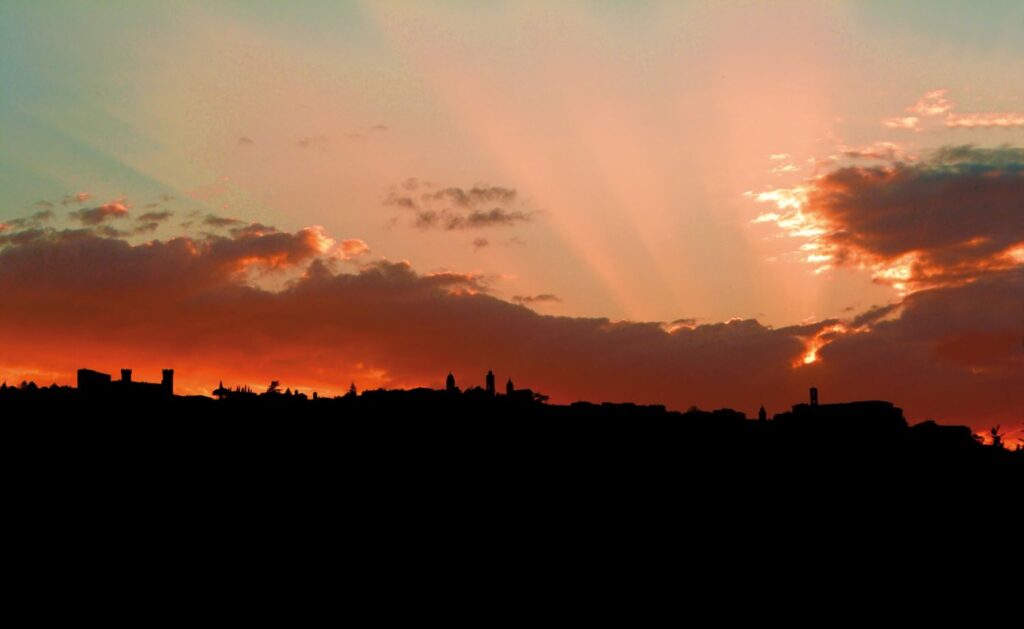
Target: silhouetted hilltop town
(858,434)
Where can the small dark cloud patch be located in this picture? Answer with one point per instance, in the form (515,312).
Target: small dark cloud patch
(101,214)
(222,222)
(480,243)
(453,208)
(427,219)
(490,218)
(156,217)
(472,197)
(246,141)
(400,200)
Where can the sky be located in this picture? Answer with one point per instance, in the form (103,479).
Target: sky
(689,203)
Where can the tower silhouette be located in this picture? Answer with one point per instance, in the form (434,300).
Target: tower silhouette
(509,389)
(814,396)
(449,383)
(490,382)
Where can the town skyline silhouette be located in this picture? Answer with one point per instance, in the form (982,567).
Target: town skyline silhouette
(826,436)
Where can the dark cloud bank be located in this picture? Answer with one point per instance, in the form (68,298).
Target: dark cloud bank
(953,352)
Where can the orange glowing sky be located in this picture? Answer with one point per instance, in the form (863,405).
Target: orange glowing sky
(785,185)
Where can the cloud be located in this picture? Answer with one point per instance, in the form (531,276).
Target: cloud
(146,227)
(473,197)
(986,120)
(252,229)
(950,352)
(950,217)
(477,219)
(886,151)
(157,217)
(534,299)
(490,218)
(686,322)
(212,220)
(191,303)
(400,200)
(246,141)
(934,103)
(455,208)
(101,214)
(266,304)
(35,220)
(903,122)
(480,243)
(353,248)
(80,197)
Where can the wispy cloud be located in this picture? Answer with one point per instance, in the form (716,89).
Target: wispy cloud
(935,104)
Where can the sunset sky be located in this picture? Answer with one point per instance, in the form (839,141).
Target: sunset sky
(688,203)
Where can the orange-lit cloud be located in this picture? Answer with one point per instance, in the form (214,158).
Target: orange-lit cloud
(949,218)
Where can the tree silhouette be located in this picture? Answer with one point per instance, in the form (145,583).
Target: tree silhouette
(274,388)
(351,390)
(997,437)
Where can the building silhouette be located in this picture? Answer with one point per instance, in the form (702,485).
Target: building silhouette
(449,383)
(865,414)
(490,382)
(220,392)
(100,385)
(509,389)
